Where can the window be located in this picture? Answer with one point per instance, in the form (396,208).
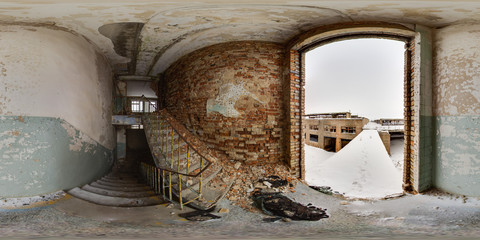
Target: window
(313,138)
(150,106)
(349,130)
(137,106)
(328,128)
(313,127)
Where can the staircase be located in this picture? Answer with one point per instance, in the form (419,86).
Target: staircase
(184,169)
(118,189)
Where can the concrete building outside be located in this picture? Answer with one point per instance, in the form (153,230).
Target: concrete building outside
(332,131)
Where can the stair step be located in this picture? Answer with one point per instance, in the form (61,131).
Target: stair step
(124,189)
(117,178)
(113,193)
(119,184)
(115,201)
(120,181)
(210,196)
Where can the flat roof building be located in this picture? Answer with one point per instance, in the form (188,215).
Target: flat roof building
(332,131)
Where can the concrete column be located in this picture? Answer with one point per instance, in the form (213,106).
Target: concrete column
(423,159)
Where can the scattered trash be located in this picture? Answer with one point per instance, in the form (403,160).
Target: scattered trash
(198,216)
(274,181)
(223,210)
(279,205)
(237,165)
(323,189)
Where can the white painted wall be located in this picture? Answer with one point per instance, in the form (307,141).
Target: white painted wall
(52,73)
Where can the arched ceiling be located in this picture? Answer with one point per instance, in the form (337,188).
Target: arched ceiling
(172,29)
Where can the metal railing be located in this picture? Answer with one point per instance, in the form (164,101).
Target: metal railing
(179,161)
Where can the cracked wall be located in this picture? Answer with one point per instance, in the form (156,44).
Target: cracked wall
(230,95)
(56,96)
(457,109)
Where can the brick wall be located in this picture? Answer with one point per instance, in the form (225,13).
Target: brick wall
(408,116)
(230,95)
(293,99)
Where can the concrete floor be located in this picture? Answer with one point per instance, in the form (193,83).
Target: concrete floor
(429,216)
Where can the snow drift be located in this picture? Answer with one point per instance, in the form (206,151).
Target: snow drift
(362,169)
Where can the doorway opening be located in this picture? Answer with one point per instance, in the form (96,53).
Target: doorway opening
(356,85)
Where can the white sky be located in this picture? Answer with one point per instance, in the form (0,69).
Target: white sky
(364,76)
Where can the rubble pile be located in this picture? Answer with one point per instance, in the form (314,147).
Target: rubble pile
(246,177)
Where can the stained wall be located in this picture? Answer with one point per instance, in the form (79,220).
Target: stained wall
(457,109)
(55,110)
(230,95)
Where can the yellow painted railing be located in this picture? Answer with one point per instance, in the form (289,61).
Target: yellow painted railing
(180,161)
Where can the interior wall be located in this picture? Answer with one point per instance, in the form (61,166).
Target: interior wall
(457,109)
(56,96)
(230,95)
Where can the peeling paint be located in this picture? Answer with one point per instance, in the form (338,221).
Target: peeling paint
(458,154)
(228,95)
(49,155)
(37,60)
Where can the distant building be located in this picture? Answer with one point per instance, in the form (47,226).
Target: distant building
(388,129)
(332,131)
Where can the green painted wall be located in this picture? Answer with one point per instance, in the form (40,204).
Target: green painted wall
(40,155)
(458,154)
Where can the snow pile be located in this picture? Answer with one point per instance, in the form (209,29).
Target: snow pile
(396,153)
(379,127)
(362,169)
(313,157)
(372,126)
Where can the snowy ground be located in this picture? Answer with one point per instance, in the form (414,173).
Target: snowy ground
(362,169)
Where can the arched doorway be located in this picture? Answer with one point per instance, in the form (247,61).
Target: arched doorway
(354,100)
(417,173)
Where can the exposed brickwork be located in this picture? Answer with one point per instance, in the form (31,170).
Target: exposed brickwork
(408,115)
(230,95)
(294,89)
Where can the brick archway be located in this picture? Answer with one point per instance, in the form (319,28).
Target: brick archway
(417,174)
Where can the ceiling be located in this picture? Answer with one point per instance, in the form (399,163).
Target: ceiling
(146,36)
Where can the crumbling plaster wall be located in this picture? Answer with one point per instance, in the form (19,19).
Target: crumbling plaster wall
(457,108)
(55,106)
(230,95)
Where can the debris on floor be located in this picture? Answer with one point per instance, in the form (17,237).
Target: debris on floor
(198,216)
(273,181)
(277,204)
(30,201)
(247,177)
(323,189)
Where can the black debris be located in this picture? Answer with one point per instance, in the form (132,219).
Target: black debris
(198,216)
(279,205)
(323,189)
(275,181)
(271,219)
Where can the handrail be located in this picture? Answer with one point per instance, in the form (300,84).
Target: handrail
(162,145)
(178,129)
(186,132)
